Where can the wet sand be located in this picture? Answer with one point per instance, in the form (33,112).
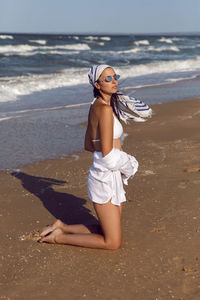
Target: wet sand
(160,256)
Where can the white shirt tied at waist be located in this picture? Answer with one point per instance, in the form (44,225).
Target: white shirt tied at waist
(106,175)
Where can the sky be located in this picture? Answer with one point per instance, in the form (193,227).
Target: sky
(99,16)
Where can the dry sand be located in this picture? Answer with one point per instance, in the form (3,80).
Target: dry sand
(160,255)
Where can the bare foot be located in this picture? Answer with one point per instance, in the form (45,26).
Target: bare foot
(49,228)
(51,236)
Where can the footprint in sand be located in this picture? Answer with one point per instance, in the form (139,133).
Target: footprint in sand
(158,229)
(182,185)
(178,262)
(189,270)
(148,172)
(192,170)
(33,236)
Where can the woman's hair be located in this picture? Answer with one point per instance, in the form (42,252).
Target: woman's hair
(113,102)
(115,105)
(96,92)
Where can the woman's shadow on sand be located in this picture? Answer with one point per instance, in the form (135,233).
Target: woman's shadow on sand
(66,207)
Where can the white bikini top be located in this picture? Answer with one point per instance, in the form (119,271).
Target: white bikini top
(117,129)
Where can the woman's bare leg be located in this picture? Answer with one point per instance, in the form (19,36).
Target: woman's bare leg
(77,228)
(110,221)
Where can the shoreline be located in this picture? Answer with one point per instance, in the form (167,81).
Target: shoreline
(159,257)
(78,152)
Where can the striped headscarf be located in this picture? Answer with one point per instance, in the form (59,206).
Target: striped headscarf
(95,73)
(126,106)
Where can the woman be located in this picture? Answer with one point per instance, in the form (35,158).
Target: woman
(110,167)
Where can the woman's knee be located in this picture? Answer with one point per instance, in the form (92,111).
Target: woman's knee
(113,244)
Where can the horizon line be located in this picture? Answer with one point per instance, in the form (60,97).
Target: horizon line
(104,33)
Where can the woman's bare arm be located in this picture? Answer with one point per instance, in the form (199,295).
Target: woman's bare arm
(88,143)
(106,129)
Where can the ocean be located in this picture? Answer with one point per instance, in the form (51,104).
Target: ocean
(44,90)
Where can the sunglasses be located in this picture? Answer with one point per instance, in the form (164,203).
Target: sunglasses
(109,78)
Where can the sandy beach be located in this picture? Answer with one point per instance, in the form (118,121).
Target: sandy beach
(159,258)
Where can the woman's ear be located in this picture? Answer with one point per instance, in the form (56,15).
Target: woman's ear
(97,86)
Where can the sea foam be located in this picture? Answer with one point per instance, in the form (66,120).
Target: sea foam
(28,50)
(142,42)
(161,67)
(6,37)
(41,42)
(11,88)
(163,48)
(165,40)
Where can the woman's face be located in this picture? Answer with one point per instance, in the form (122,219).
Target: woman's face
(107,87)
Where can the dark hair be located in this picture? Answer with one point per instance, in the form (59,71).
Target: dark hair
(115,105)
(96,92)
(113,102)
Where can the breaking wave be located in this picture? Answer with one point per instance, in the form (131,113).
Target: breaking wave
(12,88)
